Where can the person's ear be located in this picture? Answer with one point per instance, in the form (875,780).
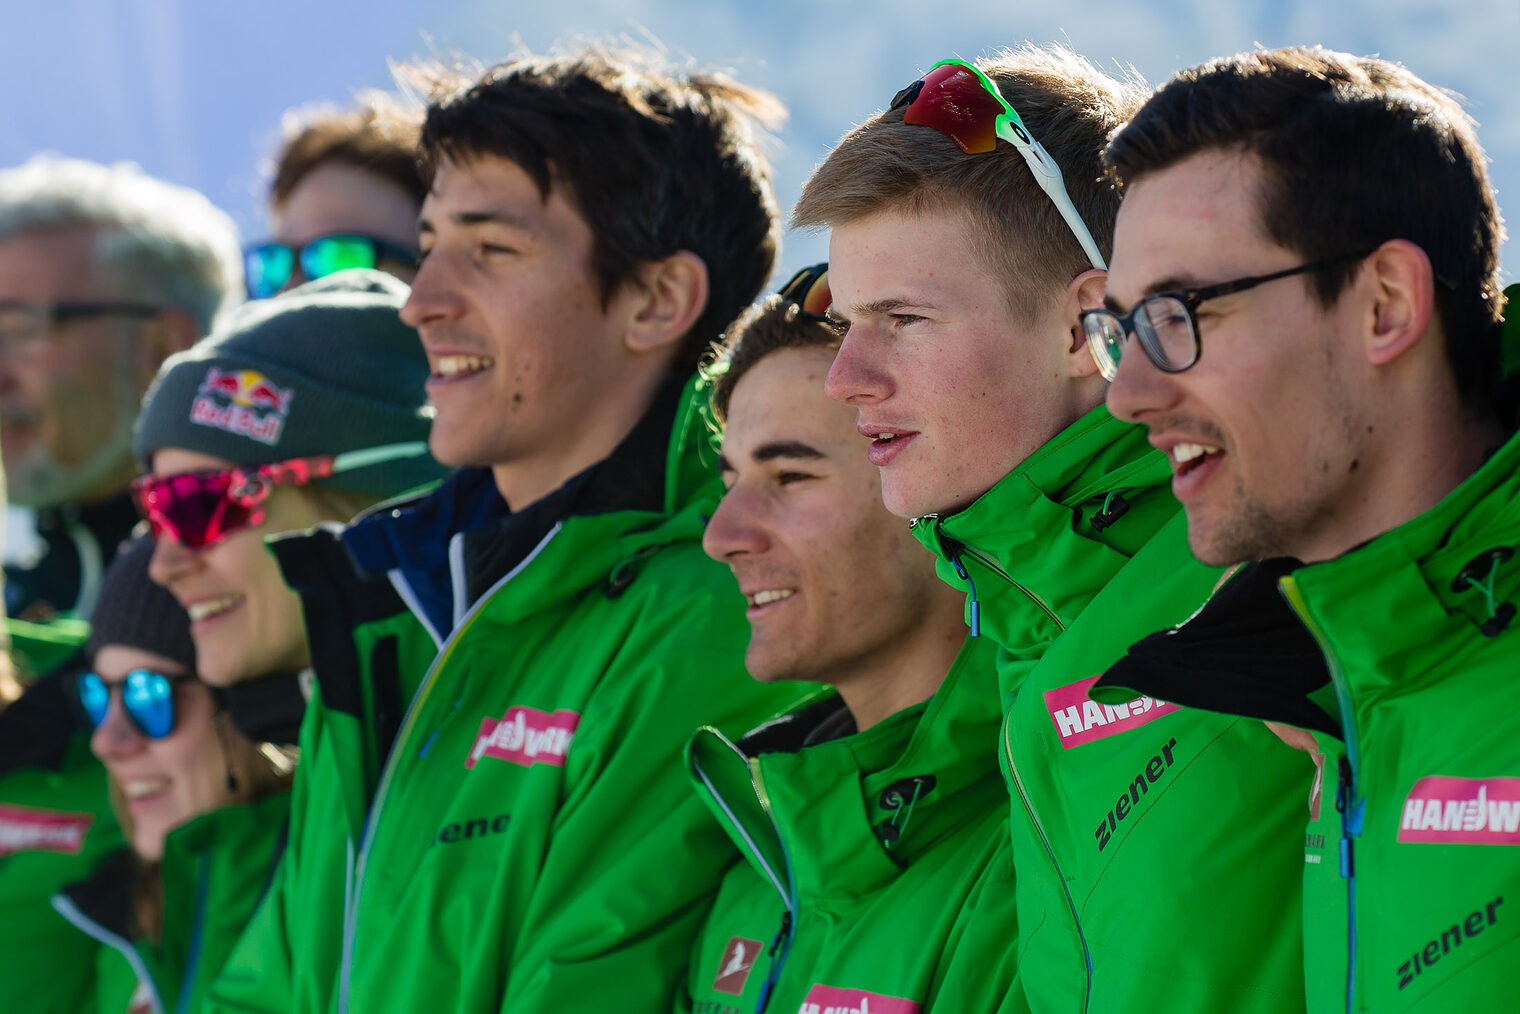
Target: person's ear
(671,294)
(1084,292)
(1401,289)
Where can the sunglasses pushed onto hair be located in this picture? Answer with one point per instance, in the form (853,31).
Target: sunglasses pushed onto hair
(269,266)
(199,509)
(809,289)
(963,103)
(146,696)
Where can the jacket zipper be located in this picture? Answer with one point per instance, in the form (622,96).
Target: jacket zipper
(781,943)
(197,932)
(371,821)
(64,906)
(1013,768)
(1348,801)
(1071,903)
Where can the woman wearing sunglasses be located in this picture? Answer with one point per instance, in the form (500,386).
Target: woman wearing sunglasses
(306,408)
(202,806)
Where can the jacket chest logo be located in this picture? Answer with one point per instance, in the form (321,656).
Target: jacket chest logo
(1468,811)
(823,999)
(733,972)
(29,829)
(526,736)
(1080,719)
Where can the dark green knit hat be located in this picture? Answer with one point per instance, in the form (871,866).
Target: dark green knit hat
(322,369)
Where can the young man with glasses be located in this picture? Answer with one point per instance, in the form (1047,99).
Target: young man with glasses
(1304,311)
(968,229)
(870,803)
(521,836)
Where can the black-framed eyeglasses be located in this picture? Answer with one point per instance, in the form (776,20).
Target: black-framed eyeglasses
(809,289)
(1165,322)
(268,266)
(30,322)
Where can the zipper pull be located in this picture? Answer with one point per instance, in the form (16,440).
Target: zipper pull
(973,607)
(773,974)
(1343,807)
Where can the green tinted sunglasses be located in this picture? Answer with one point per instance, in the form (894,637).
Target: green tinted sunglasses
(268,266)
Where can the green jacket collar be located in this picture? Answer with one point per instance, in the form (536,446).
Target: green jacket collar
(1448,576)
(1055,530)
(845,816)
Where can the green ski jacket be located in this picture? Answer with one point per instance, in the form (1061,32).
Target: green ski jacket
(1140,832)
(1412,862)
(523,838)
(214,870)
(56,824)
(877,872)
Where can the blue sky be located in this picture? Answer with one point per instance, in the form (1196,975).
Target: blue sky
(193,89)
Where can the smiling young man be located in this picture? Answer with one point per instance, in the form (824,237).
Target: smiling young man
(960,277)
(521,836)
(870,803)
(1308,253)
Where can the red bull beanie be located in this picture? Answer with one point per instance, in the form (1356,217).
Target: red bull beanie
(325,368)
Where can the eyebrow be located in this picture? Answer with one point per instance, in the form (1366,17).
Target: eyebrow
(878,307)
(776,449)
(1172,283)
(489,216)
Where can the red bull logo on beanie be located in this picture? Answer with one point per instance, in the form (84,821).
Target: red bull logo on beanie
(823,999)
(1468,811)
(245,402)
(526,736)
(30,829)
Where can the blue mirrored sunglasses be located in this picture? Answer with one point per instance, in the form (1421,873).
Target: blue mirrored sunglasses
(147,696)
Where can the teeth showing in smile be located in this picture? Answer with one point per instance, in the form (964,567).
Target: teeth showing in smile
(768,596)
(885,438)
(454,366)
(1183,454)
(138,788)
(211,607)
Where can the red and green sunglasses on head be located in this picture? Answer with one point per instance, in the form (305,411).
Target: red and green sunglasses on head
(198,509)
(963,103)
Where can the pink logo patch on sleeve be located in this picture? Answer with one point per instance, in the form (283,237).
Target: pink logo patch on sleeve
(1466,811)
(29,829)
(1080,719)
(526,736)
(832,1000)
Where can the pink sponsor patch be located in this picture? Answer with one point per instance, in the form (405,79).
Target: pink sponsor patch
(29,829)
(832,1000)
(1470,811)
(1080,719)
(526,736)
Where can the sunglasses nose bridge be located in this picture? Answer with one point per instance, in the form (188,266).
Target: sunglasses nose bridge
(117,735)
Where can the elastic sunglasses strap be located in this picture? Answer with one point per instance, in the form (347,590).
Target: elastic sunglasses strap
(350,461)
(1048,175)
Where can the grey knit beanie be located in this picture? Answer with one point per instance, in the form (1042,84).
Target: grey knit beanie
(324,368)
(135,612)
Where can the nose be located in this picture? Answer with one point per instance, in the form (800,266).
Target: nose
(434,297)
(1140,391)
(734,529)
(856,376)
(116,738)
(171,561)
